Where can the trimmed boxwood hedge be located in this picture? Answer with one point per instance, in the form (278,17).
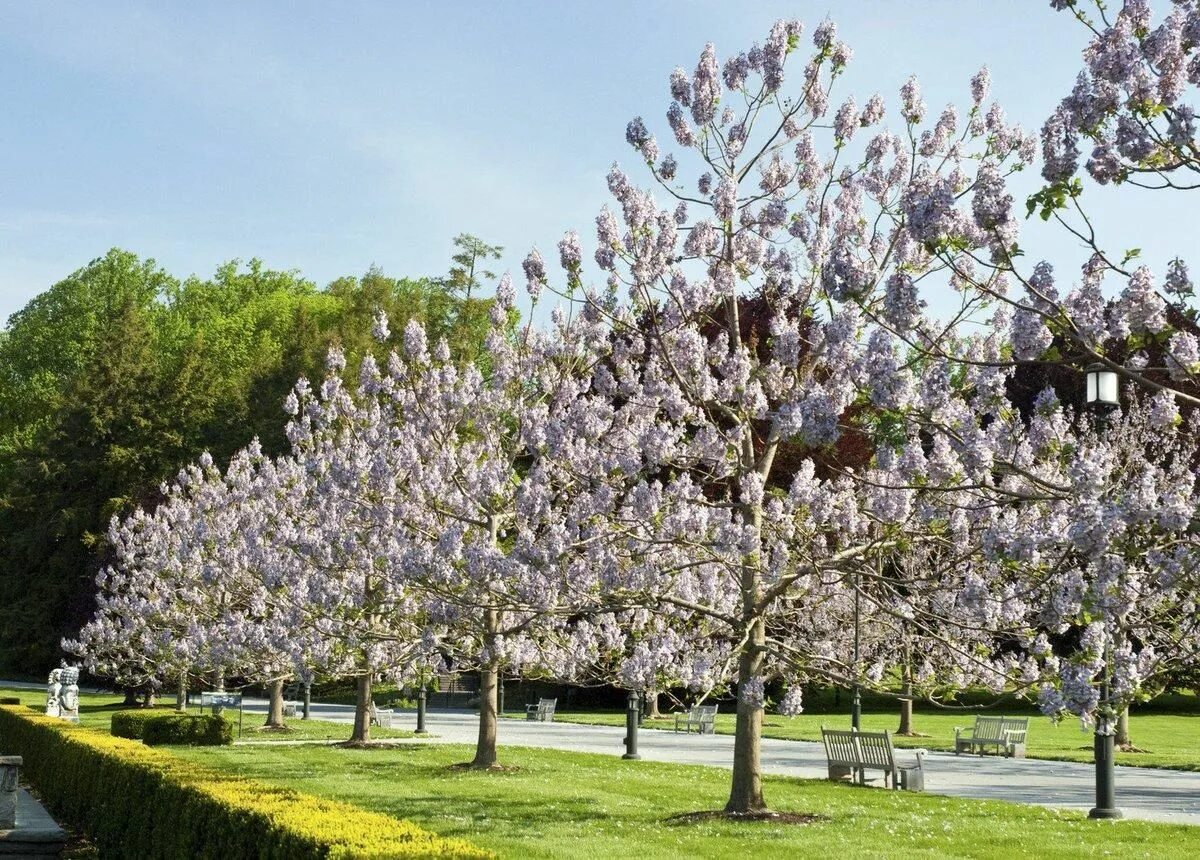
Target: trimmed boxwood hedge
(136,801)
(131,724)
(9,700)
(197,730)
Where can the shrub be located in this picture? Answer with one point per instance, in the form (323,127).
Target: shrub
(9,700)
(188,729)
(131,724)
(137,801)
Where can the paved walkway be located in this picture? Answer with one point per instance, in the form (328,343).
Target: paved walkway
(1146,793)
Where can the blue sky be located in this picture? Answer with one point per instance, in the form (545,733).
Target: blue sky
(327,137)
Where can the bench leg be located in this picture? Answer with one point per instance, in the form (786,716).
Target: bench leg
(840,772)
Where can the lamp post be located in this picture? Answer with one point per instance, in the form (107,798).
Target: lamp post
(421,709)
(1101,397)
(856,693)
(631,726)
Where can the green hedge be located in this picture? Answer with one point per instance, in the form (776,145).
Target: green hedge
(131,724)
(188,729)
(157,727)
(9,700)
(136,801)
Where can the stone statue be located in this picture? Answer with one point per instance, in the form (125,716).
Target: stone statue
(62,694)
(54,694)
(69,702)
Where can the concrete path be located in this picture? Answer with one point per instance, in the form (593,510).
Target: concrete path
(1147,793)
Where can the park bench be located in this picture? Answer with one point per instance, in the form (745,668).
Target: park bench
(543,711)
(703,717)
(852,753)
(381,717)
(1006,734)
(289,708)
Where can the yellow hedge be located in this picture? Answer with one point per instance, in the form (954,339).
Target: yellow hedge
(135,801)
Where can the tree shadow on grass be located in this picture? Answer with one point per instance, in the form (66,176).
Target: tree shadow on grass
(765,817)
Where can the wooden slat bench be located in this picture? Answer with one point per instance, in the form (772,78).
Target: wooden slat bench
(1006,734)
(851,753)
(543,711)
(703,717)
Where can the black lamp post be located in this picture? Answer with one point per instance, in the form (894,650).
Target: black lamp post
(856,693)
(631,725)
(1102,396)
(421,709)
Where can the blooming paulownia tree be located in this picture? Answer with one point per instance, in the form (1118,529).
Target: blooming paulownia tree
(749,568)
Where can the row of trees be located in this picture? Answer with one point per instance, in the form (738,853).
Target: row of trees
(699,473)
(120,372)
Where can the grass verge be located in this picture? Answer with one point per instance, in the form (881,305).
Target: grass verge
(560,804)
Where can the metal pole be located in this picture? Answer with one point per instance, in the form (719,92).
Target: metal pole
(856,697)
(421,711)
(1104,746)
(307,701)
(1105,750)
(631,726)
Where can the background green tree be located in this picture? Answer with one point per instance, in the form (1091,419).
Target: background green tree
(119,374)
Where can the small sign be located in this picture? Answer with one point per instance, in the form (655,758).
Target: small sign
(220,700)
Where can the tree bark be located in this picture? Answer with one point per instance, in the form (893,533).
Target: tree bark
(745,793)
(148,701)
(485,746)
(652,712)
(1122,737)
(181,693)
(275,709)
(906,702)
(131,697)
(362,710)
(219,686)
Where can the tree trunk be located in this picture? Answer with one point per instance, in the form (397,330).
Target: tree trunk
(1122,738)
(906,702)
(219,686)
(181,693)
(131,697)
(485,746)
(148,701)
(652,712)
(745,793)
(362,710)
(275,709)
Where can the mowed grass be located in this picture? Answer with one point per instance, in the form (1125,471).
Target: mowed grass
(1169,740)
(560,804)
(96,710)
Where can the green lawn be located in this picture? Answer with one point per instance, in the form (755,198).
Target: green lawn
(1169,740)
(559,804)
(562,804)
(96,710)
